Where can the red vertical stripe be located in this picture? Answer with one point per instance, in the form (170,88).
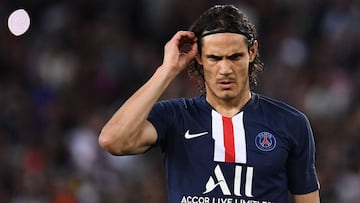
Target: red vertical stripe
(229,139)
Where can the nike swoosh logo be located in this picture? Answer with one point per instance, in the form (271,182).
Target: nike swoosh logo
(190,136)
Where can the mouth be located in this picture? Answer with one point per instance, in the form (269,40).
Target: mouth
(226,84)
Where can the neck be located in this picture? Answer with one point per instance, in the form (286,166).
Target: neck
(229,107)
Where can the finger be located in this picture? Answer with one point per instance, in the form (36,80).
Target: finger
(186,43)
(184,36)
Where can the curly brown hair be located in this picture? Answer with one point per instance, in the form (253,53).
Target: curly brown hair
(220,19)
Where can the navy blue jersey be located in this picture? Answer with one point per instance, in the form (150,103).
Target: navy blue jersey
(258,155)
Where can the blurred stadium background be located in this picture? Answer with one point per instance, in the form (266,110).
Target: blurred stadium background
(80,59)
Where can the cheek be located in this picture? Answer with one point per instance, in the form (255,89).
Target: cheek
(209,76)
(242,67)
(209,68)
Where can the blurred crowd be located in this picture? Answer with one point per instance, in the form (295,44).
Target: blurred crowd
(62,80)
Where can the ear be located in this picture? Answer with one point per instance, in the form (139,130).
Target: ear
(198,59)
(253,50)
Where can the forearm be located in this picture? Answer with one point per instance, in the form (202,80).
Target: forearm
(128,131)
(121,134)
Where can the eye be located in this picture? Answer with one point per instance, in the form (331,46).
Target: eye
(235,56)
(214,58)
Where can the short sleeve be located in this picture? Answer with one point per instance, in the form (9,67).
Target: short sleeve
(162,116)
(302,176)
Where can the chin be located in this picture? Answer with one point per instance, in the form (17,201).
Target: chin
(227,96)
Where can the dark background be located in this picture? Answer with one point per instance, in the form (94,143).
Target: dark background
(79,60)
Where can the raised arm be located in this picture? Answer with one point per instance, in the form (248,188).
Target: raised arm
(128,131)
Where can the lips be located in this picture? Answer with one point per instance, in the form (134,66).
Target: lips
(226,84)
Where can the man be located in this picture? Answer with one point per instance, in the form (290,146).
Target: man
(229,145)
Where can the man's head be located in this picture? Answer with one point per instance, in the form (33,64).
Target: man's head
(225,19)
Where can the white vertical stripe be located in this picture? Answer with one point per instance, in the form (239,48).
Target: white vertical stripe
(249,180)
(239,136)
(237,180)
(218,136)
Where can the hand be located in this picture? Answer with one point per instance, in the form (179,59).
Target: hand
(180,50)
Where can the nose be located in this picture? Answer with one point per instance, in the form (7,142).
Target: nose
(225,67)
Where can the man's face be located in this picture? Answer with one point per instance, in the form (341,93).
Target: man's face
(225,58)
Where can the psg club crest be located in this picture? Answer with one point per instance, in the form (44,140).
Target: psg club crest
(265,141)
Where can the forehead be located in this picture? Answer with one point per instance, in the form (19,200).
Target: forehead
(224,43)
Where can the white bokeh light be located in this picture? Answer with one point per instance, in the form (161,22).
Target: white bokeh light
(19,22)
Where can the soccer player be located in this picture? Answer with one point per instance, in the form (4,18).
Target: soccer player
(230,144)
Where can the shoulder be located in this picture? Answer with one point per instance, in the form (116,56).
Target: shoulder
(285,119)
(274,105)
(279,110)
(185,104)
